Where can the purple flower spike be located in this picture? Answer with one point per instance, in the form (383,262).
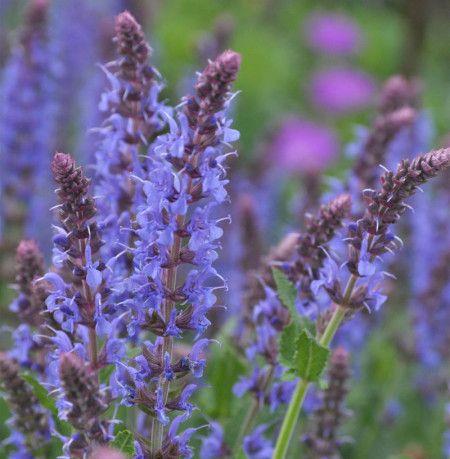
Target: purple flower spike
(178,225)
(26,142)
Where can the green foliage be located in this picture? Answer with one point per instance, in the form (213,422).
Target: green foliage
(47,402)
(310,357)
(124,442)
(287,292)
(222,372)
(288,339)
(301,353)
(105,373)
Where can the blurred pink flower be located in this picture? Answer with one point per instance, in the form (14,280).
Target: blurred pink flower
(333,33)
(304,146)
(342,90)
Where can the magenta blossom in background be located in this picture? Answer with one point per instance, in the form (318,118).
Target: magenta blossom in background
(304,146)
(341,90)
(333,33)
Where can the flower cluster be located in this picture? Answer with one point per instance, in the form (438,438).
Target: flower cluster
(85,403)
(312,244)
(373,151)
(133,115)
(78,303)
(109,356)
(177,226)
(301,256)
(29,306)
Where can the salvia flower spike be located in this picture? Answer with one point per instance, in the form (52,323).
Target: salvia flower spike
(24,159)
(178,226)
(369,238)
(84,333)
(29,418)
(133,116)
(301,257)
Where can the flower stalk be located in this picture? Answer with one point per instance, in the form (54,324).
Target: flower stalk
(369,238)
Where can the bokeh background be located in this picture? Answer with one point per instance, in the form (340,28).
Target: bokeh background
(289,82)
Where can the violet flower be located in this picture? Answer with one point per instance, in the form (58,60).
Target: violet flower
(179,225)
(78,302)
(341,90)
(304,147)
(133,116)
(257,446)
(370,237)
(333,33)
(26,99)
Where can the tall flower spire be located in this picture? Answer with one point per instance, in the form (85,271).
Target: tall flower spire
(133,116)
(25,142)
(78,302)
(177,226)
(29,417)
(302,257)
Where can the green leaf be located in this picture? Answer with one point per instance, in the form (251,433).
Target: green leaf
(311,357)
(224,368)
(47,402)
(105,373)
(308,325)
(124,442)
(287,344)
(287,292)
(41,393)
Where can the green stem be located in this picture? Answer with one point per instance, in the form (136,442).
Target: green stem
(295,405)
(290,419)
(252,413)
(332,326)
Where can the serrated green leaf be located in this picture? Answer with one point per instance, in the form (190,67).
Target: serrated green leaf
(307,324)
(124,442)
(47,402)
(311,357)
(289,375)
(287,292)
(287,344)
